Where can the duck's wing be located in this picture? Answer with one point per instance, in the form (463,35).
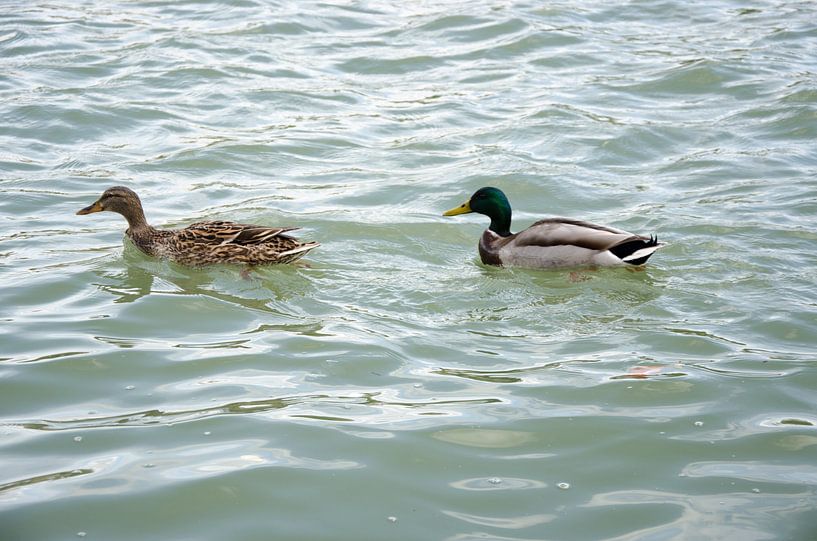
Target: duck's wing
(566,232)
(224,233)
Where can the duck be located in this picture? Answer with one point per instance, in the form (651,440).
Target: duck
(202,243)
(552,242)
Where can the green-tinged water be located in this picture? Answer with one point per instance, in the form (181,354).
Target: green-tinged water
(394,387)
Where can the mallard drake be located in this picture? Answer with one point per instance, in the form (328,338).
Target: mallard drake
(552,242)
(202,243)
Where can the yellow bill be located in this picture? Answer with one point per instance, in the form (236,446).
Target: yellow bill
(465,208)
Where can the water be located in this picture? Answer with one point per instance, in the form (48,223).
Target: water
(395,388)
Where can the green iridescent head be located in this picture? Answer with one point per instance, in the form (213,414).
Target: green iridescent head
(492,203)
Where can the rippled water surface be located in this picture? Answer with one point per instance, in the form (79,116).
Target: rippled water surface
(394,387)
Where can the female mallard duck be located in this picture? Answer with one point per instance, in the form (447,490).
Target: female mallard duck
(202,243)
(552,242)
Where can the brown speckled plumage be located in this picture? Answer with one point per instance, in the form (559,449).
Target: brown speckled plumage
(202,243)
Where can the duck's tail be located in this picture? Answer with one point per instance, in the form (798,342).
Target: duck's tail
(637,251)
(297,253)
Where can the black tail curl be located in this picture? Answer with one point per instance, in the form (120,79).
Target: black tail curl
(631,246)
